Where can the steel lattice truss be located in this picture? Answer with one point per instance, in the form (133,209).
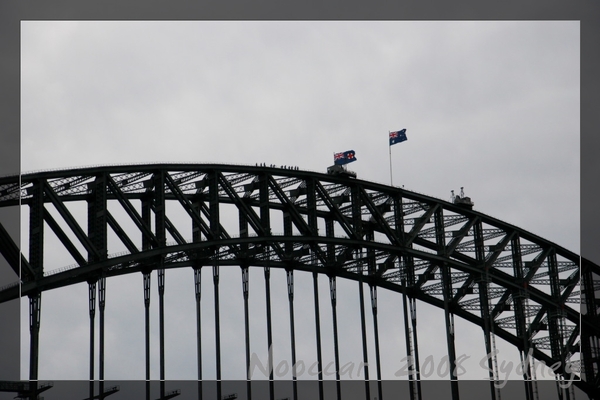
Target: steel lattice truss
(520,287)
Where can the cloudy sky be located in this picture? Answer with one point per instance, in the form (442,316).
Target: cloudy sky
(491,106)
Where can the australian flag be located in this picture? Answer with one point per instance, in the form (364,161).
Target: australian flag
(344,158)
(397,137)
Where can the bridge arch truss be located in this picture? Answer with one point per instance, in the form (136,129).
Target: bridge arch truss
(515,285)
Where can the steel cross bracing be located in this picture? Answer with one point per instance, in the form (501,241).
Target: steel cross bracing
(298,220)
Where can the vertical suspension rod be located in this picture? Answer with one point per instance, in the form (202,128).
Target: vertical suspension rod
(333,292)
(363,327)
(146,245)
(158,179)
(34,329)
(371,268)
(198,293)
(102,303)
(411,372)
(526,381)
(449,317)
(495,361)
(413,316)
(243,223)
(290,282)
(373,289)
(147,326)
(161,322)
(217,322)
(318,333)
(92,307)
(531,359)
(489,347)
(246,292)
(269,329)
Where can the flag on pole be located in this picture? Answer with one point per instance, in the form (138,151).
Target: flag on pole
(398,136)
(344,157)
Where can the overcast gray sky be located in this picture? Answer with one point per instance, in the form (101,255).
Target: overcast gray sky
(491,106)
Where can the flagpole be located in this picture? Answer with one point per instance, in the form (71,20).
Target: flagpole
(390,149)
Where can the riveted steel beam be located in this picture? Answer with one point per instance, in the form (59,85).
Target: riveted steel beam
(305,229)
(11,253)
(291,210)
(121,234)
(36,229)
(70,220)
(334,209)
(425,218)
(192,208)
(378,217)
(35,304)
(249,214)
(144,228)
(98,218)
(60,234)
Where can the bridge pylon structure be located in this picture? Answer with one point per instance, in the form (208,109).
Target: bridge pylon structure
(516,286)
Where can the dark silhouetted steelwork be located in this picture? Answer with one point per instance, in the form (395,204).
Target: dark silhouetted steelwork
(512,283)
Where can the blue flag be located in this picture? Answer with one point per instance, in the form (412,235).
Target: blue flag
(397,137)
(344,158)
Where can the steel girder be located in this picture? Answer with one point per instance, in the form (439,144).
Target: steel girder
(454,258)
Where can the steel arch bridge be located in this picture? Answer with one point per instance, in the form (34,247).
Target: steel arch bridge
(515,285)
